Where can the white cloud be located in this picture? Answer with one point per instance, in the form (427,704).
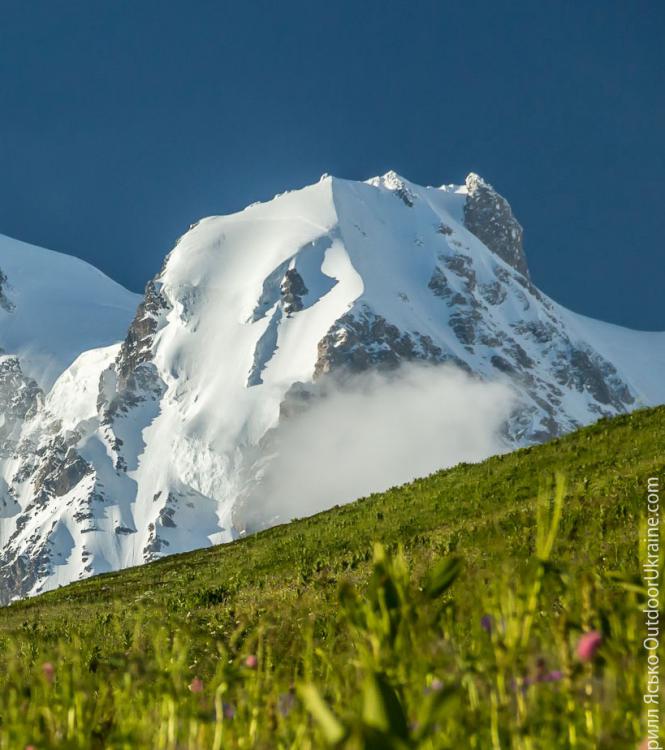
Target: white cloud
(376,431)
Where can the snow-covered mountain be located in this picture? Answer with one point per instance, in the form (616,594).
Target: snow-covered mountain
(53,307)
(156,445)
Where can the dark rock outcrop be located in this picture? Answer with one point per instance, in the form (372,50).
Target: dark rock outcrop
(293,289)
(133,377)
(20,399)
(137,346)
(5,303)
(399,187)
(368,341)
(488,215)
(585,370)
(61,468)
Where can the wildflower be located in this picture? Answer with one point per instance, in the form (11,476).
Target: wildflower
(588,644)
(435,686)
(285,703)
(486,623)
(542,675)
(48,670)
(251,662)
(196,685)
(229,711)
(541,668)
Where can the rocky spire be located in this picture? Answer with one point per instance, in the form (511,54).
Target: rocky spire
(488,215)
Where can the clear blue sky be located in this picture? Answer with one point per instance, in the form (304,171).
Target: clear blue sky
(122,122)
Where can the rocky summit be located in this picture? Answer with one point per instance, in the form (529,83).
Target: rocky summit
(133,429)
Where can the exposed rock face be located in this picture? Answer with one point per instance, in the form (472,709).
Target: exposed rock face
(494,293)
(133,378)
(5,303)
(293,290)
(585,370)
(465,325)
(20,573)
(137,347)
(61,469)
(157,544)
(489,216)
(20,399)
(462,266)
(392,181)
(359,342)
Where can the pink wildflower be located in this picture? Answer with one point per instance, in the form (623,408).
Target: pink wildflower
(48,670)
(196,685)
(251,662)
(588,644)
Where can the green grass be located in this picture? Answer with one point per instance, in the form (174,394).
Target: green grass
(364,646)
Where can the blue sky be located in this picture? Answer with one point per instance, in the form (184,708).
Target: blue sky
(123,122)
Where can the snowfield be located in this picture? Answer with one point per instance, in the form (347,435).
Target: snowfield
(53,307)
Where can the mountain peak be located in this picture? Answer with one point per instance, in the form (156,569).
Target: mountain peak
(474,181)
(488,215)
(396,184)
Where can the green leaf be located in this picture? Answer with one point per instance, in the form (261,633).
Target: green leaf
(331,727)
(442,576)
(373,739)
(435,706)
(382,709)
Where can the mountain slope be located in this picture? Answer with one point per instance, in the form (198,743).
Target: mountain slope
(54,307)
(61,321)
(254,319)
(140,637)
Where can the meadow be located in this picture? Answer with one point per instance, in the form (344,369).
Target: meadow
(488,606)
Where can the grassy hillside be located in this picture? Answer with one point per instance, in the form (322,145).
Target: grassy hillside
(460,630)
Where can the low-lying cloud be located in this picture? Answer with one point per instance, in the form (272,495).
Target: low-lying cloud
(376,431)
